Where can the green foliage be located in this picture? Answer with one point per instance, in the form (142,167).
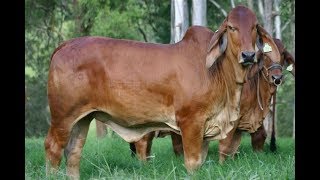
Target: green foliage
(110,158)
(285,106)
(44,20)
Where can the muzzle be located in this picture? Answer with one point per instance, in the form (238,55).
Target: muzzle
(248,58)
(277,79)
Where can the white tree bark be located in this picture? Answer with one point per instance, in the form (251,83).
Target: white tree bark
(261,11)
(266,12)
(199,12)
(250,4)
(268,16)
(232,3)
(179,19)
(277,20)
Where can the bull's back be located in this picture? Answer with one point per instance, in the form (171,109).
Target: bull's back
(127,79)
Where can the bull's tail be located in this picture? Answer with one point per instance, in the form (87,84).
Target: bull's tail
(273,146)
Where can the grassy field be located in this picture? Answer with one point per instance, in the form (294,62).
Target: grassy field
(110,158)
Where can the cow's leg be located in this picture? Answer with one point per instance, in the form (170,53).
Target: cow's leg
(56,140)
(150,138)
(258,138)
(205,148)
(76,142)
(143,146)
(177,144)
(229,145)
(101,129)
(192,139)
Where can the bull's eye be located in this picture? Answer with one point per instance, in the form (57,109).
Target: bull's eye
(232,28)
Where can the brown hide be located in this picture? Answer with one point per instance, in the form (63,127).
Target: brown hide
(251,115)
(136,88)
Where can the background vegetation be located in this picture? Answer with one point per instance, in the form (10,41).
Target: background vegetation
(49,22)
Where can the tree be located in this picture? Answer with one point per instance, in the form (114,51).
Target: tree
(179,19)
(199,12)
(44,23)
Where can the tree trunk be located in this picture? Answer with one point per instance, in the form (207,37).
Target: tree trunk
(232,3)
(250,4)
(267,11)
(277,20)
(199,12)
(268,16)
(179,19)
(261,11)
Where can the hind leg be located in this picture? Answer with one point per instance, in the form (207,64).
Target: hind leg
(101,129)
(54,143)
(76,142)
(143,146)
(176,143)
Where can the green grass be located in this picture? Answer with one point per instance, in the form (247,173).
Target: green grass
(110,158)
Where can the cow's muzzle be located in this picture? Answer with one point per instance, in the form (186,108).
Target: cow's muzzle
(277,79)
(247,58)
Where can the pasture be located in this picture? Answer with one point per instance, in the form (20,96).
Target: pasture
(110,158)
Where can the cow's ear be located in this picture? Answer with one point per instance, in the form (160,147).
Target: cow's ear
(266,44)
(217,45)
(290,62)
(260,58)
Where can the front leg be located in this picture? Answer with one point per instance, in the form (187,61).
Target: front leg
(192,138)
(258,138)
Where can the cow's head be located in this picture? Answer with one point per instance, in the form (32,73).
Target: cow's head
(240,37)
(271,72)
(286,59)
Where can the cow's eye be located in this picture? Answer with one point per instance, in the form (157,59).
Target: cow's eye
(232,28)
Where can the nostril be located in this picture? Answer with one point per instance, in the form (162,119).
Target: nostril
(243,54)
(277,81)
(252,55)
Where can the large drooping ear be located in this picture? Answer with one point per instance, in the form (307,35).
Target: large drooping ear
(266,44)
(289,61)
(260,58)
(217,45)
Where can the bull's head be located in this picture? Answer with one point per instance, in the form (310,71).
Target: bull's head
(286,60)
(240,37)
(271,72)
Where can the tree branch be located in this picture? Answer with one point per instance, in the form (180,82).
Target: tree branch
(285,25)
(143,34)
(219,7)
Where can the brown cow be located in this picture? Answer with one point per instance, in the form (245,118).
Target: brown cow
(254,107)
(259,136)
(261,84)
(192,87)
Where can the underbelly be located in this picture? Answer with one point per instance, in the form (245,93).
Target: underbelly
(134,129)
